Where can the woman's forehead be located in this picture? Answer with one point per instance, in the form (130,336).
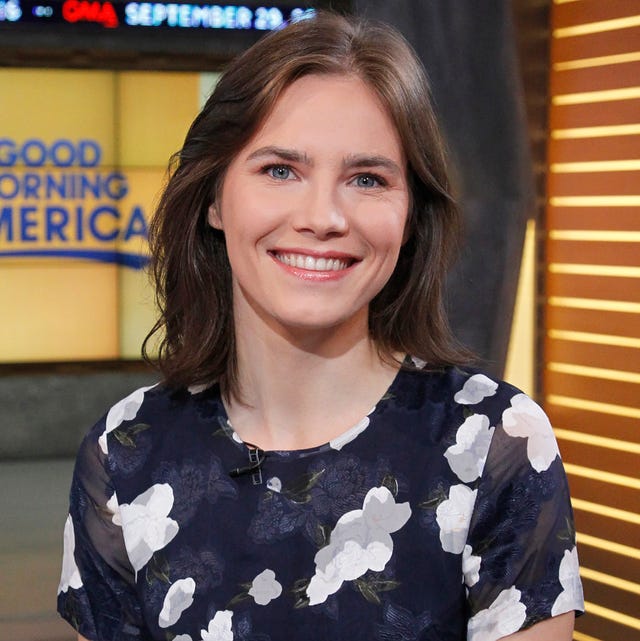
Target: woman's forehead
(329,113)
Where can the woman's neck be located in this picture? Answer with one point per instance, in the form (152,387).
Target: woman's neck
(300,390)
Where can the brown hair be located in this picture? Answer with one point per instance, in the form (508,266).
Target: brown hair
(189,259)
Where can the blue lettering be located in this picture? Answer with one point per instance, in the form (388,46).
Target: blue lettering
(144,16)
(119,189)
(172,15)
(6,221)
(159,14)
(89,153)
(87,186)
(184,15)
(27,155)
(57,219)
(52,186)
(79,224)
(14,185)
(27,222)
(93,223)
(31,186)
(244,17)
(137,224)
(216,17)
(62,153)
(8,153)
(131,13)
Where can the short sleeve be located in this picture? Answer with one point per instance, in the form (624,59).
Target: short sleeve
(520,562)
(97,588)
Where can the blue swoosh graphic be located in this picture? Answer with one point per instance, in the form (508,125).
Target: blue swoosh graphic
(135,261)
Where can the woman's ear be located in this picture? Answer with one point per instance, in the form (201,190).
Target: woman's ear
(213,216)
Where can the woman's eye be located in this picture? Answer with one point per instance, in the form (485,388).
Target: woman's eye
(279,172)
(368,181)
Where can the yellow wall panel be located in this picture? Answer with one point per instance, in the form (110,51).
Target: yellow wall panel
(136,308)
(53,311)
(60,303)
(63,103)
(155,110)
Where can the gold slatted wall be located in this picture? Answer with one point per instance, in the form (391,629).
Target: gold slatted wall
(592,346)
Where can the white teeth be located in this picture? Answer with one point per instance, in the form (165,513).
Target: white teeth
(312,264)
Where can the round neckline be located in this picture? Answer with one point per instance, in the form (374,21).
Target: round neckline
(335,444)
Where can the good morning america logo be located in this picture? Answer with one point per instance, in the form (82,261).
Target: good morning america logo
(56,201)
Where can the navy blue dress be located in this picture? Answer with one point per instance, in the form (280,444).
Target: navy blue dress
(442,515)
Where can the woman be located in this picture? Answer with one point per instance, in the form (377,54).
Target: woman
(296,475)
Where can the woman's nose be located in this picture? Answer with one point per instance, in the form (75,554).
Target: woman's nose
(322,213)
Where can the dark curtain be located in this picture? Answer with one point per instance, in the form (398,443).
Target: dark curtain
(468,48)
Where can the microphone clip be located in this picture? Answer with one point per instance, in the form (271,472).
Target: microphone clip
(256,458)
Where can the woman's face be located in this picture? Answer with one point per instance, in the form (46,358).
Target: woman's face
(314,207)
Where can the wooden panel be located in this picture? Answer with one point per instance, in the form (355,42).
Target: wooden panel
(592,149)
(593,355)
(621,183)
(577,388)
(611,597)
(605,43)
(609,562)
(604,629)
(597,423)
(617,112)
(606,459)
(569,14)
(616,496)
(597,322)
(605,287)
(593,253)
(605,527)
(594,389)
(599,78)
(613,218)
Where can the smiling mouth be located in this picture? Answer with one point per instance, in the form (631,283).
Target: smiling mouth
(312,263)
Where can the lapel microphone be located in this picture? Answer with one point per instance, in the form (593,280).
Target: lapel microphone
(256,459)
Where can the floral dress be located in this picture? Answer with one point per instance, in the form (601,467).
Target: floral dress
(442,515)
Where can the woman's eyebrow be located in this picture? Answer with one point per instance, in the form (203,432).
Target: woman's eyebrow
(366,160)
(289,155)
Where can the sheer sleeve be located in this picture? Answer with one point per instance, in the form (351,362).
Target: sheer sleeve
(97,589)
(520,563)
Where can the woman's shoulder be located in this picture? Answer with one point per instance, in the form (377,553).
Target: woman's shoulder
(156,406)
(468,387)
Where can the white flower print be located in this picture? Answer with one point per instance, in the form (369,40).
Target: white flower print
(182,637)
(219,627)
(525,419)
(418,362)
(70,577)
(468,456)
(145,524)
(197,389)
(470,566)
(265,588)
(359,542)
(504,616)
(340,441)
(176,601)
(123,410)
(453,516)
(274,484)
(475,389)
(571,597)
(114,508)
